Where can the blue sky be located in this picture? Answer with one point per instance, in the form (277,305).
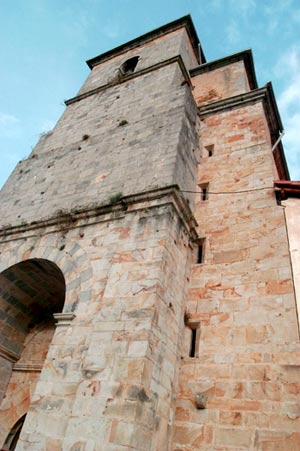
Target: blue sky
(44,45)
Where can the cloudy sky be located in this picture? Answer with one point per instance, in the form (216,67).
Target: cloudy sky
(44,45)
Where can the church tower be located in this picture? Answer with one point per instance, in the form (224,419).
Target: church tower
(146,292)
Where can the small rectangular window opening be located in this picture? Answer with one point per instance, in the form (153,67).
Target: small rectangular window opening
(193,343)
(204,191)
(209,150)
(200,251)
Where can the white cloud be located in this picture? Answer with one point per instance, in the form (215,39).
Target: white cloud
(78,29)
(47,125)
(7,120)
(277,7)
(241,7)
(288,69)
(281,15)
(289,64)
(9,125)
(233,32)
(244,7)
(215,4)
(237,17)
(111,29)
(292,144)
(296,16)
(290,98)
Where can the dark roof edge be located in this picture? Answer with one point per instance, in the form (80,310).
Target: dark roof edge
(280,161)
(288,184)
(245,55)
(185,21)
(272,99)
(276,128)
(287,188)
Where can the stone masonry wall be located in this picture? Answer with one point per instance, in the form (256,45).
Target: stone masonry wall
(247,356)
(119,372)
(292,214)
(220,83)
(109,376)
(111,372)
(5,373)
(114,143)
(153,52)
(24,378)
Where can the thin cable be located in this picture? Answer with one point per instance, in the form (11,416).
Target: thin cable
(230,192)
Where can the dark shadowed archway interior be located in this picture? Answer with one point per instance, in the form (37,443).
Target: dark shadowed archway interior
(30,292)
(13,437)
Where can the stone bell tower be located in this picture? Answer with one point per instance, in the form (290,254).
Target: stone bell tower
(146,291)
(95,217)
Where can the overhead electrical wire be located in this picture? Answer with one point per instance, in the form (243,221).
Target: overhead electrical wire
(230,192)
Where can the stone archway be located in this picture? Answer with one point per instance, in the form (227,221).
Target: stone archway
(13,437)
(30,293)
(72,261)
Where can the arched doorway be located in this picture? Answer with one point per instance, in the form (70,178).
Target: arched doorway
(30,293)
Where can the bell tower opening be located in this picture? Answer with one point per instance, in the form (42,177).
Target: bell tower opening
(128,67)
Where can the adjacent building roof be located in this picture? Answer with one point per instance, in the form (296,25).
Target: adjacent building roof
(287,188)
(245,55)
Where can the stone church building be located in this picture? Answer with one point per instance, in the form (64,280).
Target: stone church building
(149,254)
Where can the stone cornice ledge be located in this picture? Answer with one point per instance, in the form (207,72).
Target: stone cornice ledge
(28,367)
(175,59)
(63,319)
(153,198)
(245,56)
(231,102)
(172,196)
(185,21)
(266,96)
(8,355)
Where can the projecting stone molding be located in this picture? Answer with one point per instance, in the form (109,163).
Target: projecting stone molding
(8,355)
(63,319)
(34,367)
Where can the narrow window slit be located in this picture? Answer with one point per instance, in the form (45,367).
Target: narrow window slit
(200,254)
(193,343)
(204,191)
(200,251)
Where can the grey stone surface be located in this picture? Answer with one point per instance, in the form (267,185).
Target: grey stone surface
(172,44)
(127,139)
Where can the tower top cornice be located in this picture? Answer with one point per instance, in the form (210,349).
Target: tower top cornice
(184,22)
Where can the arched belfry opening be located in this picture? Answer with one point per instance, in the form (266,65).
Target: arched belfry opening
(30,293)
(128,67)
